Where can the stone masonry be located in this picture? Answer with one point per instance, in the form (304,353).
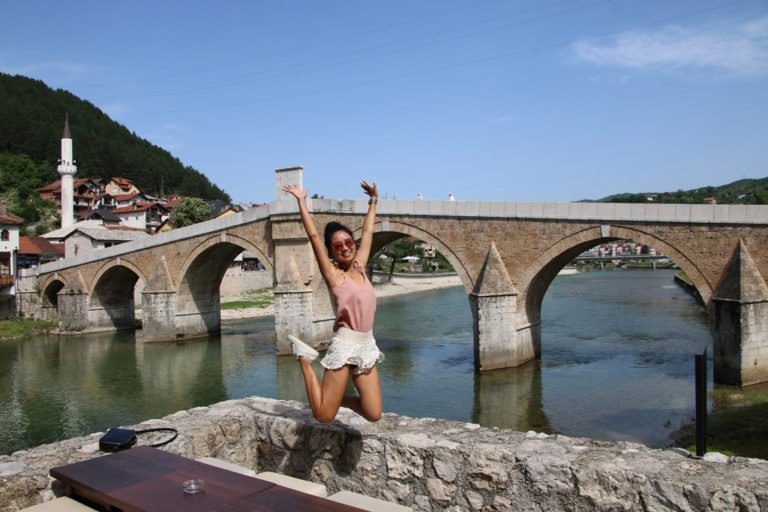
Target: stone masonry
(427,464)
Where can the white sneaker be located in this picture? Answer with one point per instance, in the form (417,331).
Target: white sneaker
(301,349)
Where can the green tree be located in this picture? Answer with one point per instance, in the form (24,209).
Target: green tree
(19,179)
(399,249)
(190,210)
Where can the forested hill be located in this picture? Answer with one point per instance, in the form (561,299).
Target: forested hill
(746,191)
(31,123)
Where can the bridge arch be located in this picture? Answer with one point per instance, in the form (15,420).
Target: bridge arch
(111,302)
(230,241)
(118,262)
(392,230)
(50,280)
(197,297)
(50,298)
(543,270)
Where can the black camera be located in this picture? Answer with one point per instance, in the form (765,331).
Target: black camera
(117,439)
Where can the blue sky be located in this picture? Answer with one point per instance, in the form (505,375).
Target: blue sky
(518,100)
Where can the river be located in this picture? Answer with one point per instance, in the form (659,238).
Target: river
(617,364)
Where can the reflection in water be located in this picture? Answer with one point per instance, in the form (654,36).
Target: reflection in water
(511,398)
(191,369)
(617,363)
(59,387)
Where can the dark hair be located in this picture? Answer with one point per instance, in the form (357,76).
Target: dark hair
(331,228)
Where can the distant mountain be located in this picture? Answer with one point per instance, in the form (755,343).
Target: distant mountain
(31,122)
(747,191)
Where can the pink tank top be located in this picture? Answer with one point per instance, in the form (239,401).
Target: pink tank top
(355,304)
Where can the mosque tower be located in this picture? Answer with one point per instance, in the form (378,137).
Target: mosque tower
(66,169)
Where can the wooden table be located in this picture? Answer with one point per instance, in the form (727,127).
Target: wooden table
(146,479)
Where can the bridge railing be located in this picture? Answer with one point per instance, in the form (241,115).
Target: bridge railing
(612,212)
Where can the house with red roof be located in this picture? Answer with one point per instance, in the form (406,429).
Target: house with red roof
(132,208)
(147,216)
(123,200)
(36,250)
(120,187)
(85,190)
(104,202)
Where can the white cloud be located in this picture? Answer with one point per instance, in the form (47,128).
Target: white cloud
(738,50)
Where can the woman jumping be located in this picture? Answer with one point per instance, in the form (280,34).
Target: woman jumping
(353,351)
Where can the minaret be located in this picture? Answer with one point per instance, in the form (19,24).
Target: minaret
(67,169)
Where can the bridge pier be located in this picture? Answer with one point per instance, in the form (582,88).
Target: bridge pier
(158,316)
(497,342)
(73,310)
(740,323)
(293,315)
(302,303)
(112,317)
(197,316)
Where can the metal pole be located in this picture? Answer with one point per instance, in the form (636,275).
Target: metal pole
(701,403)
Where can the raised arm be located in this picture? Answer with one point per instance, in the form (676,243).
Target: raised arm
(364,251)
(327,270)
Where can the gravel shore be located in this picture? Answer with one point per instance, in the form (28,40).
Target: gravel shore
(382,290)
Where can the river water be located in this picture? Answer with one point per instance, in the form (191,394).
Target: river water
(617,364)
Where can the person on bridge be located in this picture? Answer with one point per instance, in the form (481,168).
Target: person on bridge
(353,351)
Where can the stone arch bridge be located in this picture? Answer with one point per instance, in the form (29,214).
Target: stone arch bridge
(506,255)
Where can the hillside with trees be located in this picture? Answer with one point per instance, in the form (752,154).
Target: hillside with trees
(19,178)
(746,191)
(31,122)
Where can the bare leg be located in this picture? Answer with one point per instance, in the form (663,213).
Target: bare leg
(325,398)
(368,405)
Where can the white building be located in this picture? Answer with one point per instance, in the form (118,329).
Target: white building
(147,216)
(9,247)
(86,239)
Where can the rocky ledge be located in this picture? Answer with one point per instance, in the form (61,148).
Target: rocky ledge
(427,464)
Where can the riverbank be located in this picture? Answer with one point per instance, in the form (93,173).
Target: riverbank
(21,327)
(399,286)
(683,281)
(738,424)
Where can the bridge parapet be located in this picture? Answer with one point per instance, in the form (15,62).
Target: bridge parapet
(609,212)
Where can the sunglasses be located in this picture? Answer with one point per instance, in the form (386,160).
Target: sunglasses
(339,246)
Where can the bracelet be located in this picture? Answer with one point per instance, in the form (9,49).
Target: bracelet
(373,200)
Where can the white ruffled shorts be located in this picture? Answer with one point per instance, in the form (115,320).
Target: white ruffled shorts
(357,349)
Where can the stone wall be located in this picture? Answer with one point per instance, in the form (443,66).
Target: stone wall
(7,306)
(238,282)
(425,463)
(28,303)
